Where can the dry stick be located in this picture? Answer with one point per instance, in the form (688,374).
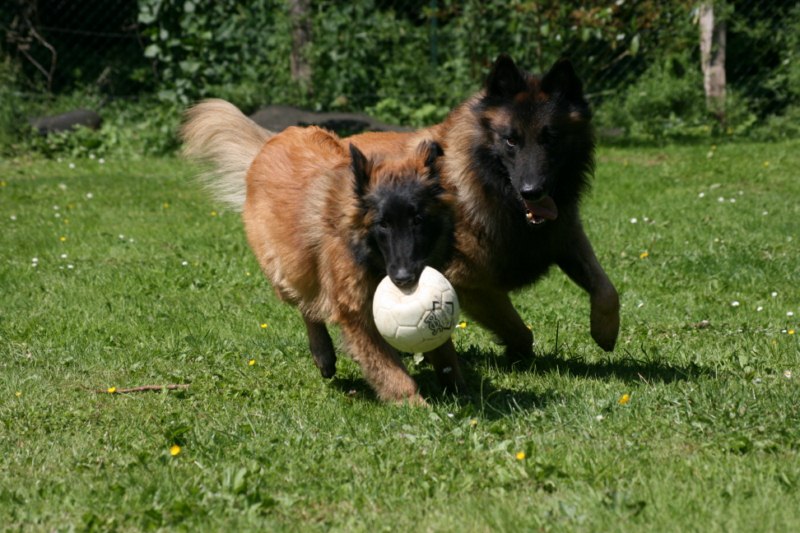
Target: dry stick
(144,388)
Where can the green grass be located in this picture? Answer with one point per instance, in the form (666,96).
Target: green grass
(151,286)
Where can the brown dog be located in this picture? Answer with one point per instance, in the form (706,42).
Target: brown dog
(326,224)
(518,158)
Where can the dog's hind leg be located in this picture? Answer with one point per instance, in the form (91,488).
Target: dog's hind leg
(579,262)
(494,311)
(319,340)
(448,371)
(380,364)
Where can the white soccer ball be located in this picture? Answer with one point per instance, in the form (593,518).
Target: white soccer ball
(417,319)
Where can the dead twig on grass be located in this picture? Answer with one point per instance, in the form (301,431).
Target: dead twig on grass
(143,388)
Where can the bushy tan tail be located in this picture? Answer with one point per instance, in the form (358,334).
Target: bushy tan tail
(217,133)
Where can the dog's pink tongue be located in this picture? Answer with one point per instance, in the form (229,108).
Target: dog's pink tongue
(544,208)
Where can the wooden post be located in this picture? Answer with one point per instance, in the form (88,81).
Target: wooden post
(301,37)
(712,59)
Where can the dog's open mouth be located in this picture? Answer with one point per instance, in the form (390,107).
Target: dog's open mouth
(541,210)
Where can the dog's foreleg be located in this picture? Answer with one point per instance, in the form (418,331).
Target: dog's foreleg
(380,364)
(579,262)
(494,311)
(448,371)
(319,341)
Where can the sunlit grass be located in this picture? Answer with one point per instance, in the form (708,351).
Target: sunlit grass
(122,274)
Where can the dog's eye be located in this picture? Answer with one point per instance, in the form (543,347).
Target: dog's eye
(511,142)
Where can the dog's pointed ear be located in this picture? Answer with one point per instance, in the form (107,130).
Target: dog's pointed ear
(362,168)
(505,80)
(430,151)
(561,78)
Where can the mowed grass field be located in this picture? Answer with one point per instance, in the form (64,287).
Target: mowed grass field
(120,274)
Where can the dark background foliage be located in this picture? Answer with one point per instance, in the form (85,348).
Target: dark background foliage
(405,61)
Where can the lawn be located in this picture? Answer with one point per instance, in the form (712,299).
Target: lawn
(118,274)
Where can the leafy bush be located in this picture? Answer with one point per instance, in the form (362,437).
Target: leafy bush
(225,49)
(410,62)
(130,128)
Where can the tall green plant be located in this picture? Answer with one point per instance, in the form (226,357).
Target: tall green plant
(223,48)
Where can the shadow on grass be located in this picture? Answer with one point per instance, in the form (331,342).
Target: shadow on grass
(628,368)
(493,401)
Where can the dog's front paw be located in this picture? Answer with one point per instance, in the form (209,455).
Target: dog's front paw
(605,319)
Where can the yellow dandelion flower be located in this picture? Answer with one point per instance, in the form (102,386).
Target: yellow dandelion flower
(624,399)
(165,205)
(111,390)
(462,325)
(644,255)
(213,213)
(174,450)
(2,183)
(62,238)
(251,362)
(473,422)
(18,394)
(520,456)
(766,164)
(264,326)
(790,332)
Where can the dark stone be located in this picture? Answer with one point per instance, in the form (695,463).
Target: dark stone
(279,117)
(67,121)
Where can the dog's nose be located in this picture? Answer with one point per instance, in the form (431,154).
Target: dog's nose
(402,277)
(532,193)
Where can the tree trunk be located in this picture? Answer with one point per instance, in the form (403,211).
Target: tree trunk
(712,58)
(301,38)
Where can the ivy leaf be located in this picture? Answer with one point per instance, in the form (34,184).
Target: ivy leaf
(152,51)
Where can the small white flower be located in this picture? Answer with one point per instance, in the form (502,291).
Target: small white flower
(599,418)
(56,208)
(735,303)
(121,237)
(89,196)
(759,308)
(91,156)
(645,219)
(701,195)
(13,218)
(101,161)
(790,313)
(62,186)
(58,215)
(72,165)
(634,220)
(70,267)
(764,213)
(774,294)
(787,374)
(184,263)
(732,200)
(63,256)
(35,260)
(721,199)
